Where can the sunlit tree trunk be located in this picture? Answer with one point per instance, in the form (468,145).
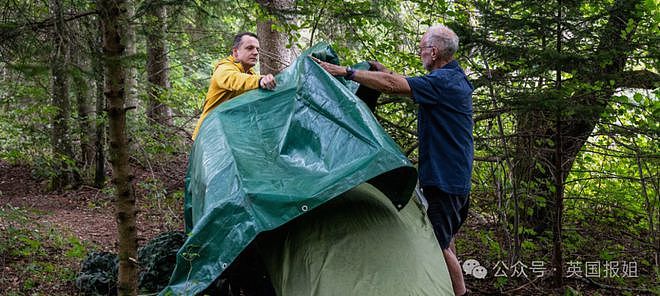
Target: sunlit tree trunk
(114,20)
(131,50)
(275,55)
(63,151)
(157,65)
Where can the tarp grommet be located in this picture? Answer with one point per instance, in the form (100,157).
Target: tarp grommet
(224,265)
(304,208)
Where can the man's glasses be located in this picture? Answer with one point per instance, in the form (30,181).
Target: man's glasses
(421,48)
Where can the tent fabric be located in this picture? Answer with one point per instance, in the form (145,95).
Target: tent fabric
(357,244)
(267,157)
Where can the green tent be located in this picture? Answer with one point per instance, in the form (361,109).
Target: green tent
(357,244)
(266,157)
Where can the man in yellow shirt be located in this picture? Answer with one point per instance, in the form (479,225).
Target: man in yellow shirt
(235,75)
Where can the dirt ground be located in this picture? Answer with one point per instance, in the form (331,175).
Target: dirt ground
(86,213)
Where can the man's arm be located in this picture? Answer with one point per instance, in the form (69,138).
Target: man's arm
(384,82)
(377,66)
(387,82)
(230,78)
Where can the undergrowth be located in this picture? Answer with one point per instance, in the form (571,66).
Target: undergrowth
(36,259)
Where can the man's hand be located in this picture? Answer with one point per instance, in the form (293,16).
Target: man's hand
(377,66)
(384,82)
(267,82)
(333,69)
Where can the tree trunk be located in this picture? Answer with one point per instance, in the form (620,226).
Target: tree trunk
(96,45)
(275,56)
(131,51)
(63,152)
(157,65)
(84,94)
(114,20)
(99,141)
(535,158)
(557,222)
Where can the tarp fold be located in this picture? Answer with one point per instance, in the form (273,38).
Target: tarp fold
(267,157)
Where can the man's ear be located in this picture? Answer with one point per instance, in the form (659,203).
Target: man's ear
(234,52)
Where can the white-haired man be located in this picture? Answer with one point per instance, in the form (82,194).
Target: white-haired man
(445,129)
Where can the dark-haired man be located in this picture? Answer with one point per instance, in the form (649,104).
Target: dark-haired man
(235,75)
(445,128)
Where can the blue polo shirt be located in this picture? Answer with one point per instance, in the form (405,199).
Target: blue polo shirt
(444,125)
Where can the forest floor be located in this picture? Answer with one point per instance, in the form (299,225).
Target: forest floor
(45,236)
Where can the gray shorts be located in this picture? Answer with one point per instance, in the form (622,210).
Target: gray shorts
(447,212)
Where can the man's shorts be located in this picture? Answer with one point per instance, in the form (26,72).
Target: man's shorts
(447,213)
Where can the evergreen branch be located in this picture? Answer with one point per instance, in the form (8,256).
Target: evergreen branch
(490,114)
(398,127)
(10,31)
(637,79)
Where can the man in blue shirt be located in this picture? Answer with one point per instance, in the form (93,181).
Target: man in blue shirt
(444,128)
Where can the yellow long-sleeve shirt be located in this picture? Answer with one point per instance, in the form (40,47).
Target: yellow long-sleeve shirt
(228,81)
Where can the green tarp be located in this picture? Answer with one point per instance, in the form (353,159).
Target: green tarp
(267,157)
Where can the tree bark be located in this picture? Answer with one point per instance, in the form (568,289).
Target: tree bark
(84,94)
(114,20)
(99,141)
(275,56)
(63,151)
(557,222)
(157,65)
(131,51)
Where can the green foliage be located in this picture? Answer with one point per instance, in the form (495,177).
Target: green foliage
(500,282)
(23,129)
(509,50)
(623,147)
(572,292)
(612,252)
(36,254)
(494,249)
(77,251)
(574,243)
(154,188)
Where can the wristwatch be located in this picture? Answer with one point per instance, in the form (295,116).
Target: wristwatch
(350,73)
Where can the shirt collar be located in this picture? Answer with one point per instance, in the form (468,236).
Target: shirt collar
(448,66)
(451,65)
(239,65)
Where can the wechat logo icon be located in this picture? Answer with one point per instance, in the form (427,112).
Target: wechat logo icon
(474,268)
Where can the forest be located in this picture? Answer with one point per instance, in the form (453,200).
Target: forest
(99,100)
